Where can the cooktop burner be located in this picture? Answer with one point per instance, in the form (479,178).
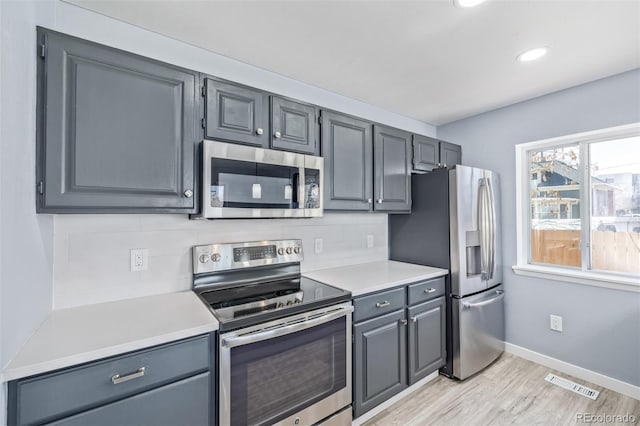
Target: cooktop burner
(242,292)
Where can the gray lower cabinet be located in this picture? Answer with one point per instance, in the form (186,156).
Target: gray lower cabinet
(395,345)
(380,360)
(167,384)
(392,169)
(429,154)
(426,342)
(236,113)
(117,132)
(294,126)
(347,148)
(180,403)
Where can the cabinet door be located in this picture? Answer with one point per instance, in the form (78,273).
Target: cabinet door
(450,154)
(236,113)
(379,360)
(347,149)
(116,131)
(427,350)
(426,153)
(294,126)
(186,402)
(392,169)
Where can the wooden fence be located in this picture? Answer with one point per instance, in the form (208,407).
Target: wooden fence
(615,251)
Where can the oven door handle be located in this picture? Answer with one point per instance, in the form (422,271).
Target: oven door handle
(285,328)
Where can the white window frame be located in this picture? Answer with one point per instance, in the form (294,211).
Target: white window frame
(523,212)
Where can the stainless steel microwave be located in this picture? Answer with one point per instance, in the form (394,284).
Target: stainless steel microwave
(241,181)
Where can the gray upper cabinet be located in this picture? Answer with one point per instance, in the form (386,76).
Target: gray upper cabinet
(116,132)
(294,126)
(380,360)
(429,154)
(236,113)
(426,343)
(347,148)
(392,169)
(450,154)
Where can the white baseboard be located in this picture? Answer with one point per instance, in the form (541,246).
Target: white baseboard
(389,402)
(579,372)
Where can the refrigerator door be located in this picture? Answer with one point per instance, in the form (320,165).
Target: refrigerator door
(474,196)
(478,327)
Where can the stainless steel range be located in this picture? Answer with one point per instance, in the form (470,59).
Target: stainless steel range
(285,340)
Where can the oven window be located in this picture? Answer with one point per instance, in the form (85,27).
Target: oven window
(275,378)
(245,184)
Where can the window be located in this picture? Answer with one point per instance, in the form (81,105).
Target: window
(579,205)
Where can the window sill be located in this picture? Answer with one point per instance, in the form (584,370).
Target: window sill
(579,277)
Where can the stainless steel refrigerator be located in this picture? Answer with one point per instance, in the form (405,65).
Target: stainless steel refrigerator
(455,224)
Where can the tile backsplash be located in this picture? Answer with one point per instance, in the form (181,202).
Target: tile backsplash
(92,252)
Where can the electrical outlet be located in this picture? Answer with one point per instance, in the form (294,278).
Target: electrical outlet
(555,322)
(369,241)
(318,245)
(139,259)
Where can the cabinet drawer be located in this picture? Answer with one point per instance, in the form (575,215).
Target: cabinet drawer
(426,290)
(378,304)
(54,395)
(181,403)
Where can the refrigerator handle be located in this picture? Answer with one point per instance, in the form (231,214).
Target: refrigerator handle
(492,229)
(486,228)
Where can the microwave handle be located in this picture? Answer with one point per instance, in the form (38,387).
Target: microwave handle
(302,196)
(284,328)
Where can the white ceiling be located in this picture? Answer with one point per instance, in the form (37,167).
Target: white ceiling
(427,60)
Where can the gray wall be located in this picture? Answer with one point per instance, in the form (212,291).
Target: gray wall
(26,240)
(601,326)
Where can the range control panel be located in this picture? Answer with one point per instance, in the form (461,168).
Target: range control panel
(222,257)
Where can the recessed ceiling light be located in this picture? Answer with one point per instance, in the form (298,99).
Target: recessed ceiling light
(532,54)
(467,3)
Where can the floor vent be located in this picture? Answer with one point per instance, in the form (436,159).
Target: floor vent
(572,386)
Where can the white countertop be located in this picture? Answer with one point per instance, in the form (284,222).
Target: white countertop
(87,333)
(375,276)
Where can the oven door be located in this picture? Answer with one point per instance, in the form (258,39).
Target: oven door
(296,370)
(242,181)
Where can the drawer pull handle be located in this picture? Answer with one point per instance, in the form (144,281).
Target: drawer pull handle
(403,322)
(429,290)
(383,304)
(117,379)
(414,319)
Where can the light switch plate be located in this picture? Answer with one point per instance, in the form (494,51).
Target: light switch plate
(555,322)
(369,241)
(317,244)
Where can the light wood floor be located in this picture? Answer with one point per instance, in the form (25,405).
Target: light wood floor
(511,391)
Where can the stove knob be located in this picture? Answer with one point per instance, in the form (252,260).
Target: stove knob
(280,305)
(297,250)
(204,258)
(280,251)
(216,257)
(289,303)
(289,250)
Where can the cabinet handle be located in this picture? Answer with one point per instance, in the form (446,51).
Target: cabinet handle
(117,379)
(429,290)
(403,322)
(188,193)
(383,304)
(379,201)
(259,131)
(414,319)
(277,135)
(370,200)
